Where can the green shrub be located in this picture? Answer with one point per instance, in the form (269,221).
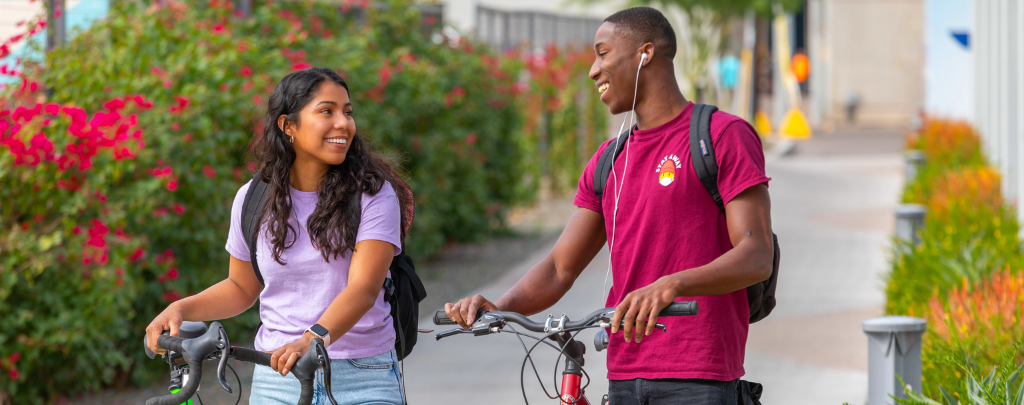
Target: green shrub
(101,230)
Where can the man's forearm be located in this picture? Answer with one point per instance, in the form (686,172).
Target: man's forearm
(740,267)
(538,290)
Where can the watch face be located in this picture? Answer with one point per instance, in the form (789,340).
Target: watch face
(319,330)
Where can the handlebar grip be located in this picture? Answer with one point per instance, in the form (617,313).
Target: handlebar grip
(195,375)
(306,396)
(447,333)
(168,342)
(441,318)
(680,308)
(250,356)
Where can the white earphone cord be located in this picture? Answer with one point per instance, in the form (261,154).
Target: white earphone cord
(616,188)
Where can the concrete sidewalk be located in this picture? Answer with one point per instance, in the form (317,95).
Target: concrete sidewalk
(832,209)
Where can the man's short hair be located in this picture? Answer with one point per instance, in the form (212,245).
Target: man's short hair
(643,25)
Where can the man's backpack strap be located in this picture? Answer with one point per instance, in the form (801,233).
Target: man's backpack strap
(703,153)
(250,224)
(605,162)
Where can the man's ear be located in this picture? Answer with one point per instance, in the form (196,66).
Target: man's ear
(647,49)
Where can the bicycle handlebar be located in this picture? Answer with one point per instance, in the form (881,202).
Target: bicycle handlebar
(679,308)
(214,343)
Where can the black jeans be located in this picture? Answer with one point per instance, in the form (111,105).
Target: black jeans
(672,391)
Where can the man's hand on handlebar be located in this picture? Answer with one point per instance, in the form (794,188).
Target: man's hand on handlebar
(170,320)
(282,359)
(464,311)
(639,310)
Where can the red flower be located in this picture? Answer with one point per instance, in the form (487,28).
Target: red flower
(137,255)
(178,209)
(171,296)
(246,71)
(172,274)
(77,230)
(114,105)
(471,139)
(182,101)
(168,84)
(13,358)
(172,185)
(218,29)
(14,374)
(119,272)
(209,172)
(175,126)
(301,66)
(159,212)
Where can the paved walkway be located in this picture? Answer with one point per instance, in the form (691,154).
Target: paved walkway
(832,209)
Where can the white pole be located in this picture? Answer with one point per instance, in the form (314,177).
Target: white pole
(980,67)
(1020,115)
(1004,94)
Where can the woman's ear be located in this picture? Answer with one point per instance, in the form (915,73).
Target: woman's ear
(282,124)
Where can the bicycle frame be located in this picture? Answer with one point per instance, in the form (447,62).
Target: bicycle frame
(572,377)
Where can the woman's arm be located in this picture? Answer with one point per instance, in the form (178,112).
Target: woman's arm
(225,299)
(370,262)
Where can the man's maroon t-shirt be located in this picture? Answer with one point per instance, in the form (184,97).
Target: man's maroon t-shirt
(667,223)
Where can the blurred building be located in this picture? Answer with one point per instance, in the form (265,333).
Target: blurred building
(867,59)
(532,24)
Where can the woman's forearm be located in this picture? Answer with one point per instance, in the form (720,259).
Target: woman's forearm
(222,300)
(346,310)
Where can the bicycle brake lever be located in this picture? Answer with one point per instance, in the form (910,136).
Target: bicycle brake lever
(325,362)
(452,332)
(224,345)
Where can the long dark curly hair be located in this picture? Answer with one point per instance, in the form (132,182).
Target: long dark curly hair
(332,227)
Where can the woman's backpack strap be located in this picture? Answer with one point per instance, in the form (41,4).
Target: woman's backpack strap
(252,206)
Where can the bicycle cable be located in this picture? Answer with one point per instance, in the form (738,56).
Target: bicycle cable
(200,398)
(561,352)
(522,371)
(239,383)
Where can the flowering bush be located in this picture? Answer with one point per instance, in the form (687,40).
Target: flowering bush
(962,276)
(972,329)
(117,184)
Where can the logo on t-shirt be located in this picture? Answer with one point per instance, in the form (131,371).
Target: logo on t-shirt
(667,169)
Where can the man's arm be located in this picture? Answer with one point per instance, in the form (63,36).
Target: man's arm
(548,280)
(748,217)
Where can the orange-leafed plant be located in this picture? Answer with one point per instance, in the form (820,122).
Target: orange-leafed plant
(969,327)
(969,189)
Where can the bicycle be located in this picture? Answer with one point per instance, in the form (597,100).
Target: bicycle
(197,344)
(557,330)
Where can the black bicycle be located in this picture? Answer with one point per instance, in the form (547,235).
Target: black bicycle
(557,330)
(198,344)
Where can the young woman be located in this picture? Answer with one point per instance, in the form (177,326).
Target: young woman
(318,268)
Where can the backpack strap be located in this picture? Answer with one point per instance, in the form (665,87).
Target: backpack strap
(703,153)
(606,162)
(250,224)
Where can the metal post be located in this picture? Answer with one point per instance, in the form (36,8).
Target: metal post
(55,24)
(894,353)
(913,161)
(245,8)
(909,222)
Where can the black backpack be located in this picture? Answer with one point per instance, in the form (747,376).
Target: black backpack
(760,296)
(403,290)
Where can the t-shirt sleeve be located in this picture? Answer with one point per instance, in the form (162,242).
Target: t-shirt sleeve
(585,196)
(381,218)
(740,160)
(236,245)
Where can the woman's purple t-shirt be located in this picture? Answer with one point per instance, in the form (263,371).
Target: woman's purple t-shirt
(297,294)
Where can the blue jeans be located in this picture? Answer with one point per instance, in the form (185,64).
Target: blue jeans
(369,380)
(671,391)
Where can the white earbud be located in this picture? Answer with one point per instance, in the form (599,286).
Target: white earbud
(642,57)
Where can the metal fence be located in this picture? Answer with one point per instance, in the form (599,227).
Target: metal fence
(505,30)
(998,48)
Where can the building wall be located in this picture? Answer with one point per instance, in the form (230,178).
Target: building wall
(462,13)
(877,51)
(948,64)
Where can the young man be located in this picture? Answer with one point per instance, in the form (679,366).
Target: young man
(668,239)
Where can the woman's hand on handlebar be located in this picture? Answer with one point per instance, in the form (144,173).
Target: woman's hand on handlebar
(639,310)
(282,359)
(464,311)
(170,319)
